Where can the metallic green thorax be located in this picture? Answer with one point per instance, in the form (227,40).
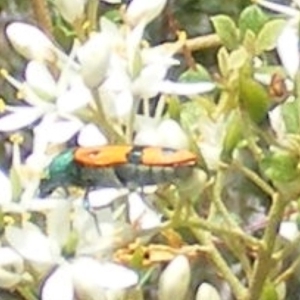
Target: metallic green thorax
(61,172)
(65,171)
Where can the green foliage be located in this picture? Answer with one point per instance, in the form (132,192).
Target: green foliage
(280,166)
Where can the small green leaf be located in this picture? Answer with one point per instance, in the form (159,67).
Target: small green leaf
(233,135)
(249,42)
(254,99)
(290,114)
(269,292)
(195,75)
(280,166)
(174,108)
(226,30)
(252,18)
(238,58)
(267,37)
(223,62)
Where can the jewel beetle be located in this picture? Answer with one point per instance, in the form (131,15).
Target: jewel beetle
(116,166)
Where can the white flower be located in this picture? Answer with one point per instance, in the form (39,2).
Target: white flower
(140,11)
(167,133)
(87,278)
(71,10)
(175,279)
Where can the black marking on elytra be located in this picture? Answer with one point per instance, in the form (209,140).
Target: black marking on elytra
(135,155)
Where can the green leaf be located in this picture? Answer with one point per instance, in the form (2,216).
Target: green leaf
(174,108)
(254,99)
(223,62)
(238,58)
(252,18)
(233,135)
(280,166)
(290,114)
(195,75)
(226,30)
(267,37)
(269,292)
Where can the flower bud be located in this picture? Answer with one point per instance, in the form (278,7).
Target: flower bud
(94,59)
(30,42)
(174,281)
(207,292)
(71,10)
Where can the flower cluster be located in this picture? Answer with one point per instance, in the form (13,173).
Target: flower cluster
(91,93)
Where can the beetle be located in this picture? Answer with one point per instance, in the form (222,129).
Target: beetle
(116,166)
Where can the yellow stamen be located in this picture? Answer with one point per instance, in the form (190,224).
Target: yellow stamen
(86,25)
(16,139)
(2,106)
(8,220)
(4,73)
(182,36)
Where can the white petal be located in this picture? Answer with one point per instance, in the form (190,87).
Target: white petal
(141,214)
(32,244)
(144,11)
(23,117)
(112,1)
(117,104)
(90,135)
(58,221)
(6,192)
(30,42)
(172,135)
(71,10)
(58,285)
(185,89)
(147,137)
(62,131)
(40,80)
(277,122)
(94,59)
(74,98)
(207,291)
(289,230)
(175,279)
(105,196)
(11,268)
(147,85)
(92,275)
(287,47)
(285,9)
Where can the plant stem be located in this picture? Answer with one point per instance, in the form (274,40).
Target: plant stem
(264,262)
(92,12)
(42,15)
(205,239)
